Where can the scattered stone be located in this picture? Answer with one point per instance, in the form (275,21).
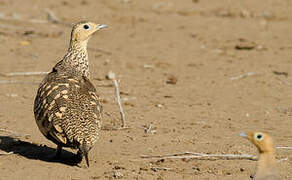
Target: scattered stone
(106,62)
(28,32)
(224,13)
(244,44)
(143,169)
(148,66)
(171,79)
(159,105)
(24,43)
(280,73)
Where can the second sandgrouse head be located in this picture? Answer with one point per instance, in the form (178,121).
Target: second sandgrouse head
(261,140)
(266,166)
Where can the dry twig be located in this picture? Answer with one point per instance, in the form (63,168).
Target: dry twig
(281,160)
(119,103)
(284,147)
(24,74)
(242,76)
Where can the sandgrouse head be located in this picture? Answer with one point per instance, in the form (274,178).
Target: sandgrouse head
(82,31)
(261,140)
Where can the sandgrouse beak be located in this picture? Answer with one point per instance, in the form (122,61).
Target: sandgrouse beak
(242,134)
(101,26)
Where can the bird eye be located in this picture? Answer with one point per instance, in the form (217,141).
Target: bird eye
(259,136)
(86,27)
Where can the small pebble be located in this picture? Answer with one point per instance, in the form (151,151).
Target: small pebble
(24,43)
(171,79)
(148,66)
(159,105)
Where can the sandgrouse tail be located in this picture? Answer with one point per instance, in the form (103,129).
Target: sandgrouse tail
(266,166)
(66,108)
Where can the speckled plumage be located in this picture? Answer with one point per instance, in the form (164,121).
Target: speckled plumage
(67,109)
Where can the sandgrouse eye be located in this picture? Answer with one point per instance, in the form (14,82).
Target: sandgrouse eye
(259,136)
(86,26)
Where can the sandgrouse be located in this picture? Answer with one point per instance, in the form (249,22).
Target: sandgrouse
(66,108)
(266,166)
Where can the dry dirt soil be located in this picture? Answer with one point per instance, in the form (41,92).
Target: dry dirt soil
(197,72)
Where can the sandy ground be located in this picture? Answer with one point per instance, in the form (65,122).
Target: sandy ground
(199,72)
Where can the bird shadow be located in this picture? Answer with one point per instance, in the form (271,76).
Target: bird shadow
(37,152)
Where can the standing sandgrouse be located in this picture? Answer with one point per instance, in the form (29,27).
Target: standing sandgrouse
(266,167)
(66,108)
